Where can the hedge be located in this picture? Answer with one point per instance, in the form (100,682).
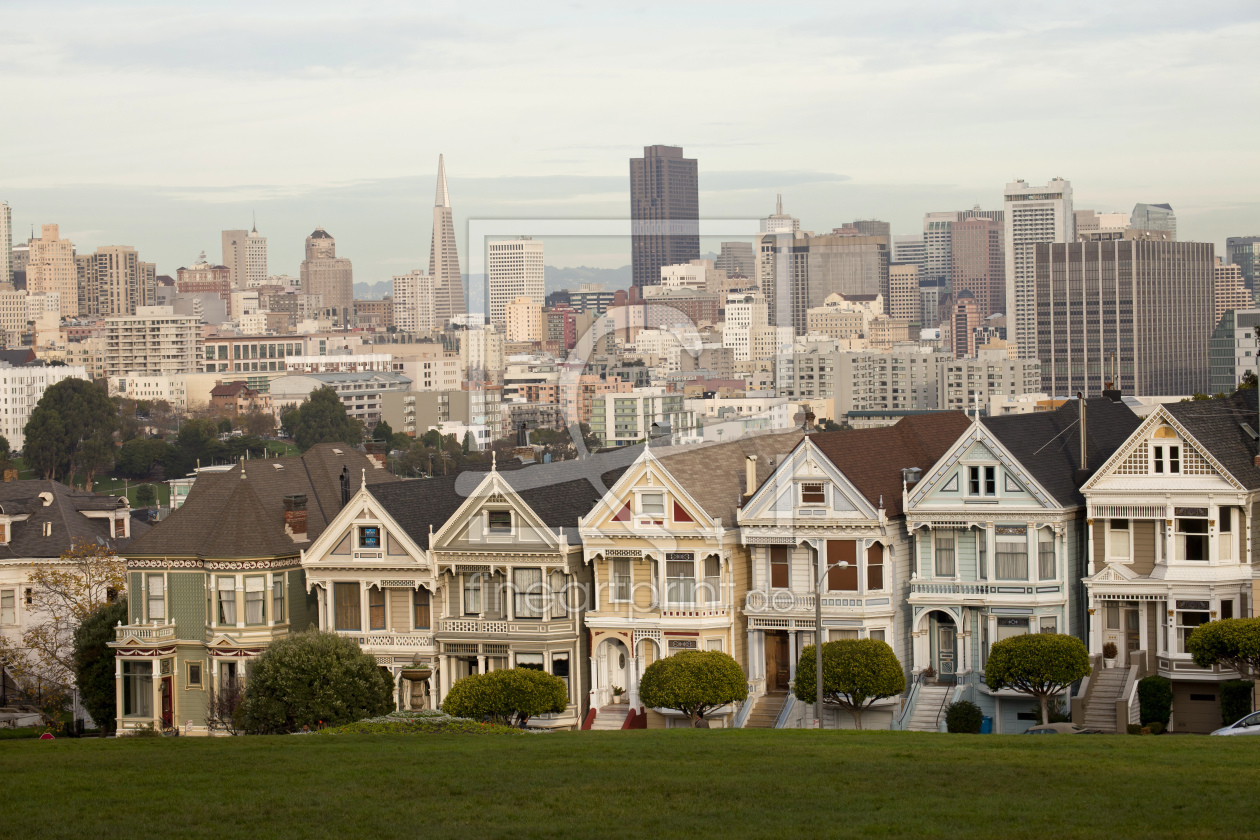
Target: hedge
(510,696)
(1236,700)
(963,716)
(1155,698)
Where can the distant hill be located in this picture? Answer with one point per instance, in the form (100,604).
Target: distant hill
(373,291)
(570,278)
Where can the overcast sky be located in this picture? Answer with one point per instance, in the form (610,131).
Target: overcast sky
(159,125)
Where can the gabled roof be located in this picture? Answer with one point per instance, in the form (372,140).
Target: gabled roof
(229,389)
(226,516)
(714,474)
(1217,425)
(873,458)
(1048,443)
(69,525)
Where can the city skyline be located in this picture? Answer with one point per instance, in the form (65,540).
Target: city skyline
(968,76)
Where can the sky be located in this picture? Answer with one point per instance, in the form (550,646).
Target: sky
(158,125)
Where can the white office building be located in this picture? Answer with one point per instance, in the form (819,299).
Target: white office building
(153,341)
(415,307)
(6,243)
(1033,214)
(745,311)
(21,389)
(514,269)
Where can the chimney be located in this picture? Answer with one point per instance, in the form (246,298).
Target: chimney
(910,476)
(295,516)
(750,476)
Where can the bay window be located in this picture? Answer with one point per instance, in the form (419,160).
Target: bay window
(1190,614)
(680,583)
(779,569)
(255,600)
(346,609)
(982,554)
(1119,539)
(1046,566)
(875,567)
(376,608)
(1011,562)
(712,580)
(472,594)
(1193,536)
(8,606)
(838,579)
(530,599)
(1008,627)
(137,689)
(157,596)
(420,608)
(620,583)
(559,597)
(560,666)
(277,597)
(227,601)
(943,553)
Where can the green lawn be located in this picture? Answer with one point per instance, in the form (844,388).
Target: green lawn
(675,783)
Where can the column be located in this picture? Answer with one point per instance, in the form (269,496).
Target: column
(511,657)
(632,690)
(118,694)
(481,665)
(990,558)
(482,581)
(444,680)
(509,595)
(1144,640)
(792,655)
(752,657)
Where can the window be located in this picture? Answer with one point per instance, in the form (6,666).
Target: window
(982,554)
(532,661)
(877,635)
(560,666)
(680,583)
(1119,537)
(1112,611)
(255,599)
(813,494)
(137,689)
(1011,562)
(1045,554)
(227,675)
(227,601)
(1167,459)
(277,597)
(530,598)
(944,553)
(472,594)
(157,596)
(1194,538)
(620,581)
(369,536)
(500,522)
(1008,627)
(1227,519)
(376,608)
(652,504)
(1049,624)
(1227,609)
(1187,621)
(875,567)
(838,579)
(346,606)
(192,675)
(982,481)
(420,604)
(780,577)
(8,607)
(712,580)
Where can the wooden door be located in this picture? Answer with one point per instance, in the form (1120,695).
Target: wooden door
(168,711)
(1132,633)
(778,661)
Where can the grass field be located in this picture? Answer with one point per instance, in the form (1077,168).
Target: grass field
(675,783)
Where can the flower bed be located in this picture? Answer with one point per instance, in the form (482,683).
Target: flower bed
(425,722)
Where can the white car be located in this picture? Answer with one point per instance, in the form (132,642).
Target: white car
(1250,725)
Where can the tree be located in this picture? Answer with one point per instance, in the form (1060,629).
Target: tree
(467,445)
(856,673)
(1248,381)
(5,452)
(383,432)
(138,457)
(303,679)
(509,697)
(694,682)
(225,425)
(146,495)
(197,443)
(1040,664)
(63,594)
(97,456)
(46,448)
(82,409)
(259,423)
(1232,642)
(322,419)
(94,661)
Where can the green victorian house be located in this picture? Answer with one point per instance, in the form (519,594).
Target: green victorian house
(221,578)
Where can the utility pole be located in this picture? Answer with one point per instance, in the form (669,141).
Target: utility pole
(823,569)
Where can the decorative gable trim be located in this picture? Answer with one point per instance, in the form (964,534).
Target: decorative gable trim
(680,513)
(493,489)
(1137,446)
(945,466)
(807,461)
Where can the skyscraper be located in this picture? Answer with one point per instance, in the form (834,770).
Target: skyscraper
(1154,217)
(938,247)
(448,288)
(6,243)
(51,268)
(978,264)
(414,306)
(798,272)
(1033,215)
(736,259)
(514,269)
(1130,302)
(245,255)
(872,227)
(903,292)
(113,281)
(664,212)
(909,248)
(331,278)
(1244,252)
(1229,290)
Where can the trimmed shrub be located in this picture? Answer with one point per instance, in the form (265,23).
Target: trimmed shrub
(1232,642)
(1236,700)
(1109,650)
(1135,729)
(309,678)
(963,716)
(509,697)
(1155,698)
(1155,728)
(695,682)
(856,673)
(1039,664)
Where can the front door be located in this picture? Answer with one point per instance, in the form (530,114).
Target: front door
(168,711)
(1132,633)
(945,666)
(778,661)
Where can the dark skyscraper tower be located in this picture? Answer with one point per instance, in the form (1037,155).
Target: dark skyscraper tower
(664,212)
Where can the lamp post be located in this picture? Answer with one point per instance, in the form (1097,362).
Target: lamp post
(823,569)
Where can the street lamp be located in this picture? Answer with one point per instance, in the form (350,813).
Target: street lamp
(823,570)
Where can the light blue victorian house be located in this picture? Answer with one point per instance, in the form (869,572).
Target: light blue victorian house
(999,534)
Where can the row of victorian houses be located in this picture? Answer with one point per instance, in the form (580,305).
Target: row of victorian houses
(955,532)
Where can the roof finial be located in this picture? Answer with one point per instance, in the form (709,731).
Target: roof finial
(363,485)
(494,464)
(242,468)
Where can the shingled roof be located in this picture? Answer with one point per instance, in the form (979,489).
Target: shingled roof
(1048,443)
(1218,426)
(64,511)
(714,474)
(873,458)
(226,516)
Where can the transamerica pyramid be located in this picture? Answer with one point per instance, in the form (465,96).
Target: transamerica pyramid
(448,286)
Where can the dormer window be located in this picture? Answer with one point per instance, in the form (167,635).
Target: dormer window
(1166,459)
(652,504)
(982,481)
(500,522)
(812,493)
(369,536)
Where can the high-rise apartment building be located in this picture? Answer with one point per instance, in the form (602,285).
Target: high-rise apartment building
(978,263)
(481,352)
(745,312)
(903,292)
(909,248)
(664,212)
(872,227)
(1132,305)
(51,268)
(448,283)
(6,243)
(1244,252)
(736,260)
(514,269)
(1234,349)
(113,281)
(964,319)
(523,320)
(1229,290)
(1033,215)
(1159,217)
(798,272)
(245,255)
(328,276)
(154,341)
(938,242)
(415,304)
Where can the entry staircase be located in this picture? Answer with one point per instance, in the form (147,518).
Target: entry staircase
(766,712)
(1106,684)
(612,716)
(929,707)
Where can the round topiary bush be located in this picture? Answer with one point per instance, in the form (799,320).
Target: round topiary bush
(963,716)
(1155,699)
(309,678)
(508,697)
(695,682)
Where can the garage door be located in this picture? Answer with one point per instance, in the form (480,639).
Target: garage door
(1196,707)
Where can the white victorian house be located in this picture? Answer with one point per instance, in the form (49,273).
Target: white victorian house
(1171,545)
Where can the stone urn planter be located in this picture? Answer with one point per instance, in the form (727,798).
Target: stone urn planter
(417,674)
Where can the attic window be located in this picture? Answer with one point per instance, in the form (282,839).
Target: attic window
(336,451)
(500,521)
(47,529)
(277,466)
(812,494)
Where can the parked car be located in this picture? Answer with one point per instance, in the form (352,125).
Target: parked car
(1061,729)
(1249,725)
